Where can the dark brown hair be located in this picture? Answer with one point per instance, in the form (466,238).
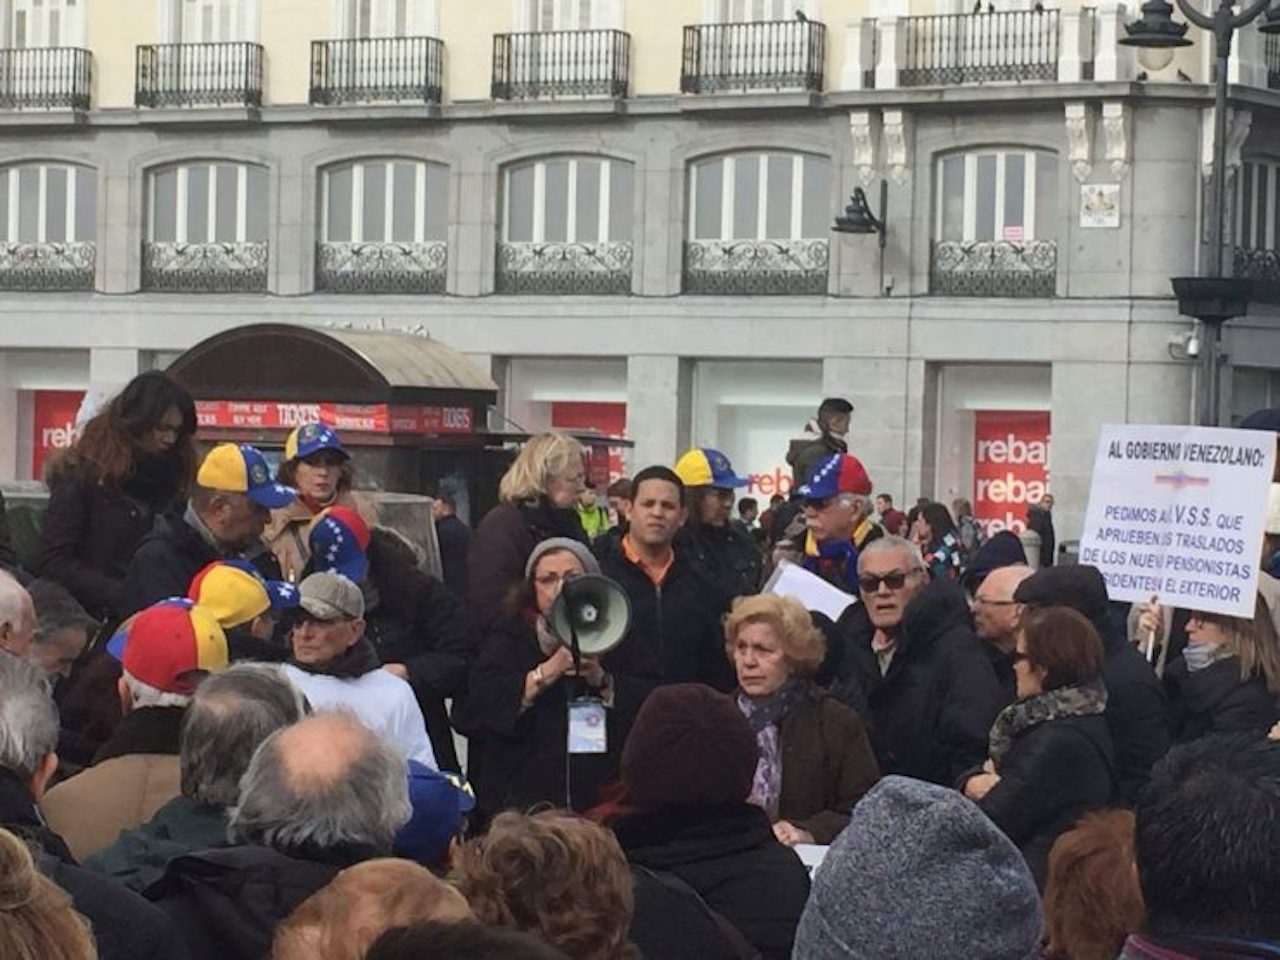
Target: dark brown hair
(556,876)
(1092,898)
(288,472)
(1064,643)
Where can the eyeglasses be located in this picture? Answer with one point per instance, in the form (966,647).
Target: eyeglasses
(894,581)
(818,504)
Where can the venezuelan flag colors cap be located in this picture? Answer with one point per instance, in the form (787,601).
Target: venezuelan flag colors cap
(240,468)
(167,643)
(838,473)
(235,592)
(312,438)
(339,538)
(704,467)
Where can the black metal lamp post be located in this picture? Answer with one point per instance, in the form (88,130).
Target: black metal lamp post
(1213,298)
(858,218)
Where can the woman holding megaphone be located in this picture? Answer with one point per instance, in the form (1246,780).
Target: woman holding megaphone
(543,730)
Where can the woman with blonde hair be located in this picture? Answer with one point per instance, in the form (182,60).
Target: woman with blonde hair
(1227,678)
(815,759)
(557,877)
(536,500)
(37,920)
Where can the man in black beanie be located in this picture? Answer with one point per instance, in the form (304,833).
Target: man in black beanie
(1136,714)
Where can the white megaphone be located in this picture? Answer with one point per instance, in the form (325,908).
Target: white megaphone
(591,615)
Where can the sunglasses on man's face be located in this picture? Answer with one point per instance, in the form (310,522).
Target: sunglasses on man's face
(894,581)
(818,504)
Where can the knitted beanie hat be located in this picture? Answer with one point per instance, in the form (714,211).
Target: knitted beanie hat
(690,745)
(579,549)
(920,873)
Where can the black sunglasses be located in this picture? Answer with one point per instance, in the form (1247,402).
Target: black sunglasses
(894,581)
(818,503)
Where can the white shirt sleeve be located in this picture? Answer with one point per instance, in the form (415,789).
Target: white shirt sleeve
(411,728)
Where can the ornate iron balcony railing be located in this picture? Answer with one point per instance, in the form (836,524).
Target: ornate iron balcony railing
(979,48)
(377,69)
(564,268)
(561,63)
(45,78)
(199,74)
(52,265)
(994,268)
(205,267)
(764,267)
(1256,264)
(769,55)
(381,267)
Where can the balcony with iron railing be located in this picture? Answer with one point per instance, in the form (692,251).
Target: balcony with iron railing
(1009,46)
(47,265)
(767,55)
(993,268)
(1256,263)
(377,69)
(199,74)
(561,63)
(208,267)
(45,78)
(381,266)
(755,267)
(564,267)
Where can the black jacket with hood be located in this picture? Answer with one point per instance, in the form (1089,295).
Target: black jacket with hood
(1136,712)
(1215,700)
(931,712)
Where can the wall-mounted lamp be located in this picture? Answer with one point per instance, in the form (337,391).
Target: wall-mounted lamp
(858,218)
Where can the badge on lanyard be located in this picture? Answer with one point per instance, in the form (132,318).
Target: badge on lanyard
(587,726)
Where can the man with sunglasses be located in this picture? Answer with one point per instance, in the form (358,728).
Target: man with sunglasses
(837,513)
(931,691)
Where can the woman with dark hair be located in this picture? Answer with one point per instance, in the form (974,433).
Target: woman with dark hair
(939,541)
(1050,751)
(134,460)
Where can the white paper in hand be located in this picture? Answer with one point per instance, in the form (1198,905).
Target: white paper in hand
(792,580)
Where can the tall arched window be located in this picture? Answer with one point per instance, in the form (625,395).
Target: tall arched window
(206,228)
(758,224)
(995,227)
(567,226)
(383,227)
(48,222)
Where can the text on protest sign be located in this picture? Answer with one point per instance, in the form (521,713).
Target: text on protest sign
(1178,513)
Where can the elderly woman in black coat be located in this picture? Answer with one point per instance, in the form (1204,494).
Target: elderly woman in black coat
(1050,752)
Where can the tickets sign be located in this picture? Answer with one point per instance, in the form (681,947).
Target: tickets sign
(1178,513)
(356,417)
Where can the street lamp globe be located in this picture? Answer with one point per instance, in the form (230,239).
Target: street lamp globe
(1156,28)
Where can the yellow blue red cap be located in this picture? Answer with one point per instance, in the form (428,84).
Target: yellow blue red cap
(312,438)
(241,468)
(705,467)
(169,643)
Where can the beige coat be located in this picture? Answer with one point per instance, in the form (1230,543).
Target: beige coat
(90,809)
(286,534)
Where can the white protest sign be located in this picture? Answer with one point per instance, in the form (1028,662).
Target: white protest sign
(792,580)
(1178,513)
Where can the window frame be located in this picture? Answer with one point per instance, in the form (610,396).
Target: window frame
(728,199)
(421,200)
(1031,230)
(1255,172)
(182,209)
(538,219)
(11,229)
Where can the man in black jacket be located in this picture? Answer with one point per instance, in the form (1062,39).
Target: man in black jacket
(1136,713)
(724,553)
(675,610)
(125,926)
(931,690)
(225,517)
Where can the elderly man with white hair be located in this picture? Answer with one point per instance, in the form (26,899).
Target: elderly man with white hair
(17,617)
(125,927)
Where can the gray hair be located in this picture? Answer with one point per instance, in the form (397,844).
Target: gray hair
(28,718)
(57,610)
(356,800)
(145,695)
(889,544)
(231,713)
(14,600)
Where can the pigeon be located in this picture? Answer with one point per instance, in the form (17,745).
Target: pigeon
(1184,77)
(801,17)
(1039,7)
(991,8)
(1142,77)
(977,7)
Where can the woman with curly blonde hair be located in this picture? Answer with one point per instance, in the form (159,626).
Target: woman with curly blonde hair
(555,876)
(536,500)
(816,760)
(37,920)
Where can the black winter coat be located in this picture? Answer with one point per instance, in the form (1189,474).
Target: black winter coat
(930,714)
(726,556)
(518,755)
(1136,714)
(88,535)
(125,926)
(454,538)
(672,921)
(1215,700)
(1054,773)
(677,623)
(228,902)
(729,855)
(500,548)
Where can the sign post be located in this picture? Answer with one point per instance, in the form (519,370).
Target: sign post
(1178,513)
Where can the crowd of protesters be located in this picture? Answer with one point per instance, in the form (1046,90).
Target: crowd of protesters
(236,713)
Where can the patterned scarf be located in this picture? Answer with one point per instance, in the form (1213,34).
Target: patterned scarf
(835,561)
(765,714)
(1084,700)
